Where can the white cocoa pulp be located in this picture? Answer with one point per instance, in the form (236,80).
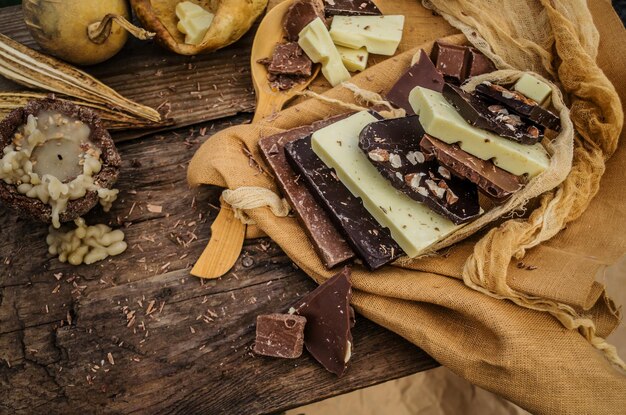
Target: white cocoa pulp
(85,244)
(52,159)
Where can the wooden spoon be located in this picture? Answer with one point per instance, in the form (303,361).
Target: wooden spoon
(227,232)
(271,100)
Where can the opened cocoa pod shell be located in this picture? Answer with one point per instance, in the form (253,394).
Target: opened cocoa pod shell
(233,18)
(110,160)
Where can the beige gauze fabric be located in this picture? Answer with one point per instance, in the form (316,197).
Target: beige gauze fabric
(517,351)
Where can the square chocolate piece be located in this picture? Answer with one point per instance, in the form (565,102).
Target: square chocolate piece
(451,60)
(478,63)
(279,335)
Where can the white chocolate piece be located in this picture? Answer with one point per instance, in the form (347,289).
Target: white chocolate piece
(412,224)
(353,59)
(533,88)
(378,34)
(315,40)
(442,121)
(194,21)
(85,244)
(51,159)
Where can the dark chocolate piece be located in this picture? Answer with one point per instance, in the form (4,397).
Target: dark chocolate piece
(290,59)
(372,243)
(393,147)
(279,335)
(300,14)
(351,8)
(492,180)
(284,82)
(451,60)
(520,104)
(423,73)
(328,242)
(329,317)
(478,63)
(494,117)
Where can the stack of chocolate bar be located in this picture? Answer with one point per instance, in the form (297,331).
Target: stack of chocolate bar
(372,190)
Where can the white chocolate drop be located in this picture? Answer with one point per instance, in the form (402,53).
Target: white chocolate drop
(85,244)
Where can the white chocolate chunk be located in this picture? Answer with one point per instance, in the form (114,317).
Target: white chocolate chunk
(413,225)
(533,88)
(187,10)
(194,21)
(442,121)
(378,34)
(315,40)
(353,59)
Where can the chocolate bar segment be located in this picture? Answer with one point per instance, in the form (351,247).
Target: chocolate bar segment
(329,317)
(423,73)
(328,242)
(279,335)
(520,104)
(351,8)
(300,14)
(393,147)
(372,243)
(451,60)
(493,181)
(495,117)
(478,63)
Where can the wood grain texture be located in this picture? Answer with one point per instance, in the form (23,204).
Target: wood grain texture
(188,352)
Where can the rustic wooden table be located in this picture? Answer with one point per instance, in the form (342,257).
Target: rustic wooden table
(138,333)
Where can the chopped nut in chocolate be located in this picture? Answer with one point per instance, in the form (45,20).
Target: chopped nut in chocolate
(407,170)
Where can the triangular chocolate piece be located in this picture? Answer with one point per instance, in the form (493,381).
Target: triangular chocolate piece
(328,314)
(423,73)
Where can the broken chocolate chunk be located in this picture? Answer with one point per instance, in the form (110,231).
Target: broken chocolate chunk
(451,60)
(327,241)
(519,103)
(329,317)
(351,8)
(423,73)
(300,14)
(279,335)
(478,63)
(372,243)
(408,171)
(493,181)
(495,118)
(289,59)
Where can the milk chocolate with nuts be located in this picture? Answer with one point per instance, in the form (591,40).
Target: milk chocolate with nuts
(521,104)
(492,116)
(498,184)
(392,146)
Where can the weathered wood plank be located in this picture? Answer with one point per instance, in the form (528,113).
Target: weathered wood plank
(188,89)
(56,333)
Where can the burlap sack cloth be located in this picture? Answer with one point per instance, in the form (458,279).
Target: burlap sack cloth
(472,307)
